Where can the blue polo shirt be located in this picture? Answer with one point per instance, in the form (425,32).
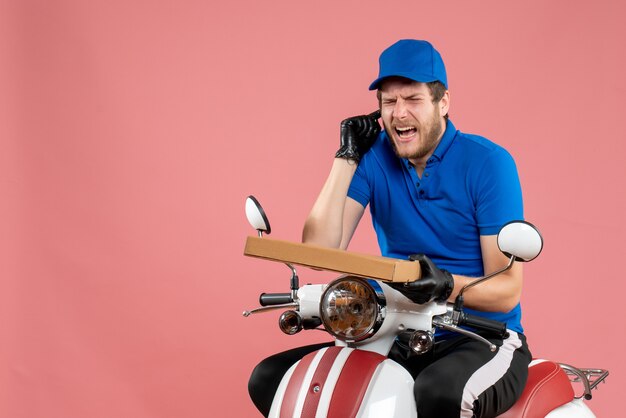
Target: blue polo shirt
(469,188)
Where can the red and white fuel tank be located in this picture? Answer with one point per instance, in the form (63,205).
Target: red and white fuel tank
(340,382)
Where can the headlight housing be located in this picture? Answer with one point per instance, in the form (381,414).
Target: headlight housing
(351,308)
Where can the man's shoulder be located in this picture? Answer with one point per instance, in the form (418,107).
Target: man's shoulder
(477,146)
(476,142)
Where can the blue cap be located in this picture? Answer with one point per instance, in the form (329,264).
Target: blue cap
(412,59)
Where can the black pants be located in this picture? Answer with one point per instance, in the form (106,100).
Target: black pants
(460,377)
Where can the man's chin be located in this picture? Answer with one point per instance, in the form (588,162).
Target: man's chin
(404,152)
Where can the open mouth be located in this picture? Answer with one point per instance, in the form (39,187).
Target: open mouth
(405,133)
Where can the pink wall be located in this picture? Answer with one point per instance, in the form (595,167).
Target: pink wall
(131,132)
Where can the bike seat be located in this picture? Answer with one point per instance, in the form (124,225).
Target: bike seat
(547,388)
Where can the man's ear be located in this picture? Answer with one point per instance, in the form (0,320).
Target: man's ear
(444,103)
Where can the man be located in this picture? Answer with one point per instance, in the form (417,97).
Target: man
(441,196)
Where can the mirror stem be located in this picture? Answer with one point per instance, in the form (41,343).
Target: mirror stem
(295,282)
(458,303)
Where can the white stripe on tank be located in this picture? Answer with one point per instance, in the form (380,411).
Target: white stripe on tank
(331,382)
(306,382)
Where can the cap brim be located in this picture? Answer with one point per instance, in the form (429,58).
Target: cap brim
(421,78)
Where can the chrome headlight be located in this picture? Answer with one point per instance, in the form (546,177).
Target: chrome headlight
(351,308)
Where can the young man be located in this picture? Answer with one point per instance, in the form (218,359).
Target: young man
(442,196)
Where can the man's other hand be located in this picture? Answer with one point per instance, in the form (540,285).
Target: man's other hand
(435,284)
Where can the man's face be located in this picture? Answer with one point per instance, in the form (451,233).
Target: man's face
(413,122)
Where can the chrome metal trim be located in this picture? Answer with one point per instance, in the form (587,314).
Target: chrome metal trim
(283,322)
(439,323)
(451,316)
(590,378)
(294,273)
(379,301)
(270,308)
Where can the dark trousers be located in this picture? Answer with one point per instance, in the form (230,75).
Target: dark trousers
(459,377)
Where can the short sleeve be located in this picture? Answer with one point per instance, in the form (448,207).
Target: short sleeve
(498,196)
(359,189)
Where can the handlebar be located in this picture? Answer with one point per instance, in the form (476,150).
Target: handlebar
(271,299)
(483,324)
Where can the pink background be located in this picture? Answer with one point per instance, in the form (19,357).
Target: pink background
(132,131)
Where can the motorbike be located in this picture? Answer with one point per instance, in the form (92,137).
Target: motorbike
(364,315)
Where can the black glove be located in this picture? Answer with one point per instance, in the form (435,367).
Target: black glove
(435,284)
(358,133)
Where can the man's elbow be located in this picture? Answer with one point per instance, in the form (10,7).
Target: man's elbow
(314,234)
(510,293)
(507,304)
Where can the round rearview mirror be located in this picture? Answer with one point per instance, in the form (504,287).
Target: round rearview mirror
(256,215)
(520,239)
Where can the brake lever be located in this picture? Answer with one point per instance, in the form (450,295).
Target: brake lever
(439,323)
(270,308)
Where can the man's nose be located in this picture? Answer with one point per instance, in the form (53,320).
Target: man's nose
(399,110)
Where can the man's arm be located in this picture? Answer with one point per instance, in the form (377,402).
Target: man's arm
(334,216)
(499,294)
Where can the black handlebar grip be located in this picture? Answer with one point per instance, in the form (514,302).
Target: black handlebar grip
(484,324)
(271,299)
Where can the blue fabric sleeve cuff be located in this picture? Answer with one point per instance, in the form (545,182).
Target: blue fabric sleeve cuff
(363,200)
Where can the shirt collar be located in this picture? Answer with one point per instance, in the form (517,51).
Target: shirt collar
(442,147)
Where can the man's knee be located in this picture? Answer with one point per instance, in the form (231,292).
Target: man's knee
(262,385)
(436,399)
(266,376)
(256,379)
